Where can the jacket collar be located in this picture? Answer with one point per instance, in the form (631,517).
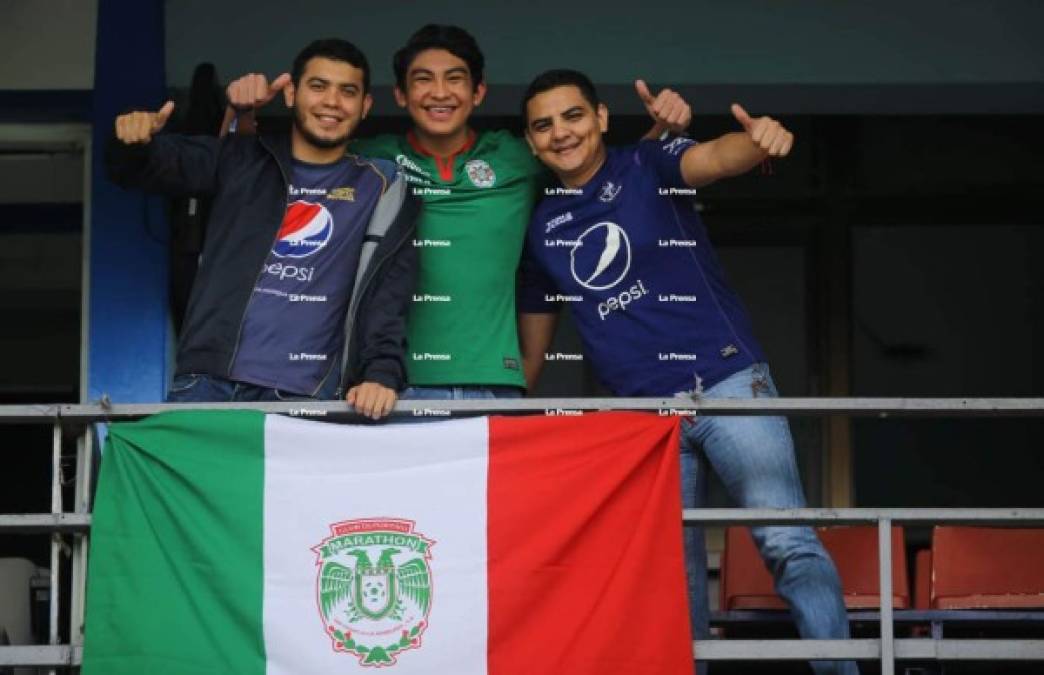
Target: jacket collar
(278,143)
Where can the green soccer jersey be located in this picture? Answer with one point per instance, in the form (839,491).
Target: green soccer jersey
(462,328)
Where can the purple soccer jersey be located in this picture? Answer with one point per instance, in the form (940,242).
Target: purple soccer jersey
(293,331)
(630,256)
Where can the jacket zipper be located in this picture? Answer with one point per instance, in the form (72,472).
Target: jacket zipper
(257,279)
(375,266)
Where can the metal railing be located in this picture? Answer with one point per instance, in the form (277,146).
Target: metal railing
(75,522)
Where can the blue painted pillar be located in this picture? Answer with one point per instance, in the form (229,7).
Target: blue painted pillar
(128,329)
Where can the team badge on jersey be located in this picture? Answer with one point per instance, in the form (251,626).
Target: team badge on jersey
(374,588)
(307,227)
(608,191)
(480,173)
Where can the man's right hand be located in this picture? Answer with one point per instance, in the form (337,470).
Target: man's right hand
(254,91)
(140,126)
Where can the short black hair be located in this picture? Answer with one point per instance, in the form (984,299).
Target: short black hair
(560,77)
(453,39)
(334,49)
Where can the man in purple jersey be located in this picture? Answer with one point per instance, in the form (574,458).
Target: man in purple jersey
(619,241)
(306,271)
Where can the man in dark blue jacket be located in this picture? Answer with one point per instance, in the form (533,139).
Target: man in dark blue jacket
(306,270)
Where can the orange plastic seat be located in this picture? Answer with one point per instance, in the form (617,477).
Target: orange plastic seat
(987,568)
(923,579)
(747,584)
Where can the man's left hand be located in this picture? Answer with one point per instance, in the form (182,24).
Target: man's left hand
(372,399)
(769,135)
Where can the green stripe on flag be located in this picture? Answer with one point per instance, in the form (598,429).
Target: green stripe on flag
(175,579)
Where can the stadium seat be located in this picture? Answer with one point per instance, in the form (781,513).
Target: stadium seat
(986,568)
(923,578)
(746,584)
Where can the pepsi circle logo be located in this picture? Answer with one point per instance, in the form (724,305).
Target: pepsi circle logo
(601,256)
(306,229)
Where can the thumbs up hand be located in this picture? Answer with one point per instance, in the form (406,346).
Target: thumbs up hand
(141,126)
(668,109)
(254,90)
(766,133)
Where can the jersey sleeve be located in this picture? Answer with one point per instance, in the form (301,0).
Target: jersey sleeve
(664,157)
(534,286)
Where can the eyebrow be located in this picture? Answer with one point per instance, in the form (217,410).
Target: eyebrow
(547,118)
(323,80)
(456,70)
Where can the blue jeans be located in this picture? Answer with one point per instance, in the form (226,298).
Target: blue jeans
(461,393)
(199,388)
(754,457)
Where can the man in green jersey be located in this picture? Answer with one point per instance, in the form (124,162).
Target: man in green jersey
(478,190)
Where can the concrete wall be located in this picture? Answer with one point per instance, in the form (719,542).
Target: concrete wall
(696,42)
(47,44)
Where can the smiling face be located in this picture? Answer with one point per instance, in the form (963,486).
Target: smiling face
(565,132)
(328,103)
(440,94)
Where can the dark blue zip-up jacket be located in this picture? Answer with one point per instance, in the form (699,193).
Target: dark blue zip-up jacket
(247,177)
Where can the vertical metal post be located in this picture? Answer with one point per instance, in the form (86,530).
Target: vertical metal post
(84,444)
(884,555)
(56,538)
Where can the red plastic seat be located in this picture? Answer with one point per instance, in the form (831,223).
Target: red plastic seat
(979,568)
(746,584)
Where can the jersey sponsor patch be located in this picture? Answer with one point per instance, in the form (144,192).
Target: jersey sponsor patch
(306,229)
(601,257)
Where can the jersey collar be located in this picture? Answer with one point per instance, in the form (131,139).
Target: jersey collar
(444,164)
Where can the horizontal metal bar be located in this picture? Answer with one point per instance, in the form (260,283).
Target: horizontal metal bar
(879,407)
(855,516)
(705,650)
(785,650)
(969,650)
(34,523)
(28,414)
(977,617)
(37,523)
(868,650)
(40,655)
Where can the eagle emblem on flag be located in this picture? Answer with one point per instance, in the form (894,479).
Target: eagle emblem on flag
(374,587)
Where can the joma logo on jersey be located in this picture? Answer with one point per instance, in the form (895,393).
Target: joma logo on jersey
(406,162)
(374,588)
(678,144)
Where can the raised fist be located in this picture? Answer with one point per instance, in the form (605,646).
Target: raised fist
(141,126)
(254,90)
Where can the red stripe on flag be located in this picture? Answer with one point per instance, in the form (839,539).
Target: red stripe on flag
(586,572)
